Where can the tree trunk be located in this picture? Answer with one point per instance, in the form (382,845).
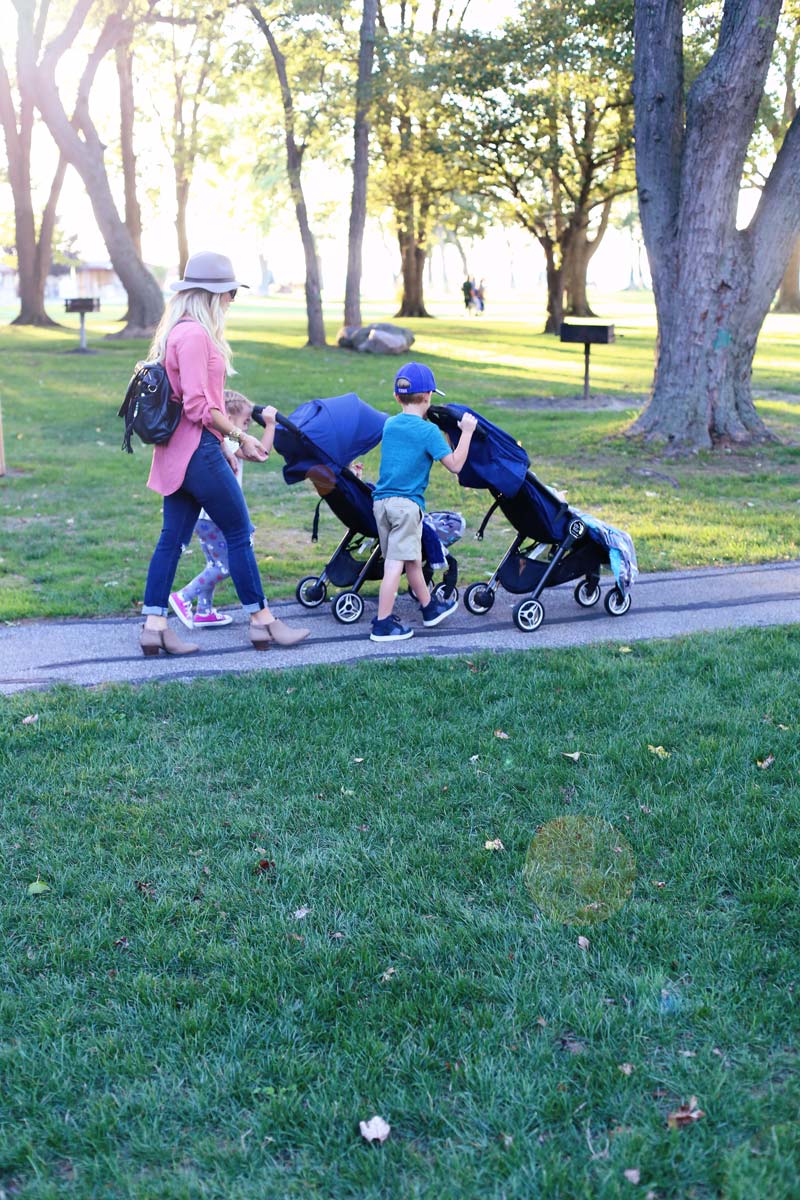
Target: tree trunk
(33,254)
(577,303)
(181,206)
(127,108)
(555,288)
(789,292)
(358,205)
(412,263)
(294,160)
(713,284)
(145,302)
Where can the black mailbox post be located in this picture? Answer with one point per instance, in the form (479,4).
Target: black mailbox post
(82,305)
(590,334)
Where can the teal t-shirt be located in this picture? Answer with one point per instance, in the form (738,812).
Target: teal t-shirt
(409,447)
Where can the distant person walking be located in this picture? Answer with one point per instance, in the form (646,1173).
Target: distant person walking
(190,470)
(480,295)
(468,288)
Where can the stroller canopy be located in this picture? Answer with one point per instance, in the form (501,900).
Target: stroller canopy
(495,459)
(329,432)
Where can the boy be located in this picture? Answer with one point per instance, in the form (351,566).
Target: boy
(409,447)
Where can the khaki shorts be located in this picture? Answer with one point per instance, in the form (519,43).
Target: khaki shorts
(399,522)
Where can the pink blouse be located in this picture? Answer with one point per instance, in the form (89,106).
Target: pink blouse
(196,370)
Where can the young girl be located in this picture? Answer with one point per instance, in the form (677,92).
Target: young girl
(211,538)
(190,471)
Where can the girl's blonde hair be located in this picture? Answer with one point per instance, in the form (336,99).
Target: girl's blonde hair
(201,306)
(236,404)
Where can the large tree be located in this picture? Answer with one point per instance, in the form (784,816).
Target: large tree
(305,45)
(543,115)
(713,282)
(81,146)
(33,245)
(415,175)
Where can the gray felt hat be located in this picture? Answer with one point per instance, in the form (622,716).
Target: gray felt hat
(209,271)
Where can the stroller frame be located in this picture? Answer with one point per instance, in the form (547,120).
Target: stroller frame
(538,557)
(343,569)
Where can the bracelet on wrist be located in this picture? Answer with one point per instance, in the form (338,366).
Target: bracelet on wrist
(235,434)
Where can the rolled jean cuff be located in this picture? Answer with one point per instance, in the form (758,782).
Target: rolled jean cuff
(255,606)
(154,610)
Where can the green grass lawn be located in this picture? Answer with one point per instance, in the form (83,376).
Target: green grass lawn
(173,1026)
(77,524)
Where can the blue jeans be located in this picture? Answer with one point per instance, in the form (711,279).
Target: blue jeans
(209,483)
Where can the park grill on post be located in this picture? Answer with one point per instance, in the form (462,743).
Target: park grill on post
(589,334)
(82,305)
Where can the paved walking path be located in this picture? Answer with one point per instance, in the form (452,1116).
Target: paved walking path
(40,654)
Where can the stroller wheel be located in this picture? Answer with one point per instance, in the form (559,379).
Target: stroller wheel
(443,593)
(347,607)
(587,593)
(616,604)
(528,615)
(311,592)
(478,599)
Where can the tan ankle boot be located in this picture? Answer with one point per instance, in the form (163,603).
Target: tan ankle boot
(153,640)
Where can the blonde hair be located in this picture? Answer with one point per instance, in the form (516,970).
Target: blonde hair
(236,403)
(201,306)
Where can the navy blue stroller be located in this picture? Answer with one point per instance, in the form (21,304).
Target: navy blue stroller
(554,543)
(318,442)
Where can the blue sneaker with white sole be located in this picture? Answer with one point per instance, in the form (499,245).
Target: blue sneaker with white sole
(438,610)
(389,630)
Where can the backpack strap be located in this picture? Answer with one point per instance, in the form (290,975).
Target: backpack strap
(315,523)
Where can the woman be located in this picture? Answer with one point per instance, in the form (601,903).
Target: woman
(190,470)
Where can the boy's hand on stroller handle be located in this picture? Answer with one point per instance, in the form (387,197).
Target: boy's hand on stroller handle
(468,423)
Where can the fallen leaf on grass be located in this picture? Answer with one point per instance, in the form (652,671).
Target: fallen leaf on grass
(31,719)
(146,889)
(687,1114)
(474,757)
(659,751)
(388,974)
(660,883)
(301,913)
(374,1130)
(541,1021)
(263,865)
(643,808)
(38,887)
(765,763)
(625,650)
(336,936)
(571,1044)
(471,666)
(583,942)
(506,1141)
(633,1175)
(295,937)
(498,733)
(358,760)
(626,1068)
(121,944)
(574,755)
(494,844)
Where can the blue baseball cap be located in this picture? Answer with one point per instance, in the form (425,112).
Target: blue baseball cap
(413,378)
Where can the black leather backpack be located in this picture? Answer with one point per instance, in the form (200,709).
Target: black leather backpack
(150,409)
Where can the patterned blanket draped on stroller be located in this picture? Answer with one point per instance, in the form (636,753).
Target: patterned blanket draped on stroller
(554,543)
(318,442)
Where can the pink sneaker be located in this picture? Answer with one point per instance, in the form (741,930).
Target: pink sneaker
(182,608)
(212,619)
